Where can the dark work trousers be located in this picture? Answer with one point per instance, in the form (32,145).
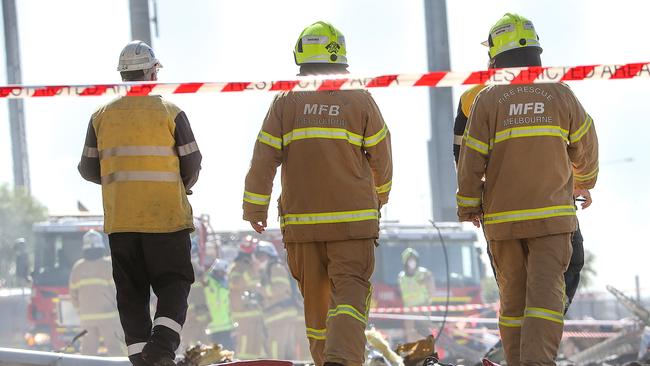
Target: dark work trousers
(160,261)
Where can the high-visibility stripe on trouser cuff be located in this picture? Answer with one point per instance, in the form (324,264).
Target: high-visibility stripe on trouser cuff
(256,198)
(347,310)
(546,314)
(169,323)
(317,334)
(532,214)
(511,321)
(329,217)
(135,348)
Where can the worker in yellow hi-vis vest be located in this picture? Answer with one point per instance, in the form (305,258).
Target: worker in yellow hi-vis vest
(417,287)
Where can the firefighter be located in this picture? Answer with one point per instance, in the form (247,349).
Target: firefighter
(572,274)
(142,151)
(198,314)
(527,151)
(335,152)
(417,287)
(279,303)
(218,299)
(245,303)
(92,292)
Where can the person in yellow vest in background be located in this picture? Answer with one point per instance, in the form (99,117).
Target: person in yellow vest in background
(245,303)
(142,151)
(279,302)
(198,315)
(92,292)
(417,287)
(217,297)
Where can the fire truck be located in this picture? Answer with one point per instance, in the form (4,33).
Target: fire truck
(57,247)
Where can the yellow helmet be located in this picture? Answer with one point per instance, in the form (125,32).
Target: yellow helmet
(320,43)
(408,253)
(511,32)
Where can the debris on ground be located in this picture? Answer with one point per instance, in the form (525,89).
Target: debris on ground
(379,344)
(203,355)
(416,353)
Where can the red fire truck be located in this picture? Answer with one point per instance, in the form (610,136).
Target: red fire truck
(57,247)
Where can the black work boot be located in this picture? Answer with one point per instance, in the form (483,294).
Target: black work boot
(157,359)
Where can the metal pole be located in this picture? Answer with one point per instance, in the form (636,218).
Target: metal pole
(638,288)
(140,21)
(16,111)
(441,165)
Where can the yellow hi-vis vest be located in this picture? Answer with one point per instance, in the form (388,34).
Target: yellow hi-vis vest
(141,182)
(414,289)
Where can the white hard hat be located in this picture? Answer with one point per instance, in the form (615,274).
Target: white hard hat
(219,265)
(137,55)
(93,240)
(267,248)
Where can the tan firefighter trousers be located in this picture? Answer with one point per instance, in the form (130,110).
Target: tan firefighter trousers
(530,273)
(334,278)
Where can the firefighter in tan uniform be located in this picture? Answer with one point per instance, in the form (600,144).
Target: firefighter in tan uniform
(245,304)
(198,314)
(528,150)
(279,303)
(334,148)
(92,292)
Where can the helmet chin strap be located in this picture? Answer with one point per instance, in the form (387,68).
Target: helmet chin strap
(151,74)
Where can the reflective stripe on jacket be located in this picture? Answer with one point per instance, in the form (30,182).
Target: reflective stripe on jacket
(143,153)
(334,148)
(524,151)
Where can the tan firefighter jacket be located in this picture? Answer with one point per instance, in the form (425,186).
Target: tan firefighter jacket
(335,152)
(524,150)
(92,290)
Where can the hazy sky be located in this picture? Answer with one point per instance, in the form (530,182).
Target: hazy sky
(78,41)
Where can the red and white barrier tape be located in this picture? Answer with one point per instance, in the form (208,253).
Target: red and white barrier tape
(476,320)
(432,308)
(510,76)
